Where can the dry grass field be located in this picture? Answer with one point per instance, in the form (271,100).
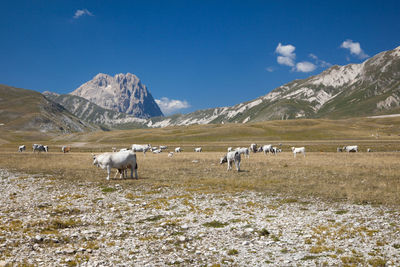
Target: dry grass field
(356,177)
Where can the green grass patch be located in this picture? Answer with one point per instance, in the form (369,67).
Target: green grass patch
(215,224)
(108,189)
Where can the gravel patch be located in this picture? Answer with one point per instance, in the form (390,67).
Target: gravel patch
(50,223)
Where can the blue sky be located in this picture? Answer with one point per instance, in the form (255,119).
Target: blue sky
(207,53)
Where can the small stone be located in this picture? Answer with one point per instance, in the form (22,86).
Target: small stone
(185,226)
(245,243)
(182,238)
(249,230)
(38,238)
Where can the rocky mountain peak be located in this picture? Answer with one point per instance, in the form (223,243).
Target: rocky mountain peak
(123,93)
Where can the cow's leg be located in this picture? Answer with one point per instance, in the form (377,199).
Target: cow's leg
(229,165)
(304,154)
(294,153)
(237,163)
(108,172)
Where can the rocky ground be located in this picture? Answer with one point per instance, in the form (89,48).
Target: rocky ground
(47,222)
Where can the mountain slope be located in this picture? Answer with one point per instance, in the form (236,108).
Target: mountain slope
(92,113)
(27,110)
(122,93)
(369,88)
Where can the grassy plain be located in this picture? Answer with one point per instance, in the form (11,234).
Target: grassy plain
(358,178)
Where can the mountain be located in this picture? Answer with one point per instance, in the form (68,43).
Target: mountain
(122,93)
(366,89)
(92,113)
(27,110)
(369,88)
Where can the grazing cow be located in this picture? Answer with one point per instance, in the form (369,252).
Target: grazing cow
(170,154)
(229,149)
(339,149)
(21,148)
(369,150)
(350,148)
(124,149)
(163,147)
(178,149)
(267,149)
(296,150)
(118,160)
(154,148)
(141,148)
(39,148)
(253,148)
(198,149)
(260,149)
(275,150)
(157,151)
(244,151)
(233,156)
(65,149)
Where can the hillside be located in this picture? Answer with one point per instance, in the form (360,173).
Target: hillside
(27,110)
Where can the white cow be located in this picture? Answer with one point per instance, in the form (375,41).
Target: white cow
(229,149)
(123,149)
(163,147)
(118,160)
(157,151)
(178,149)
(253,148)
(267,149)
(244,151)
(170,154)
(39,148)
(141,148)
(350,148)
(198,149)
(233,156)
(21,148)
(296,150)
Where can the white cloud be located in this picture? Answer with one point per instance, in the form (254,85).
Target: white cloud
(286,50)
(321,63)
(355,48)
(286,54)
(305,66)
(170,106)
(81,12)
(269,69)
(285,61)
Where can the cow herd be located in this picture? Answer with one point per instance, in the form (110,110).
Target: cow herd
(125,158)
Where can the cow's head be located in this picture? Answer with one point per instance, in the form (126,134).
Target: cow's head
(292,148)
(223,160)
(95,161)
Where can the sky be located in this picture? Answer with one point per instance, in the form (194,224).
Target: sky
(190,54)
